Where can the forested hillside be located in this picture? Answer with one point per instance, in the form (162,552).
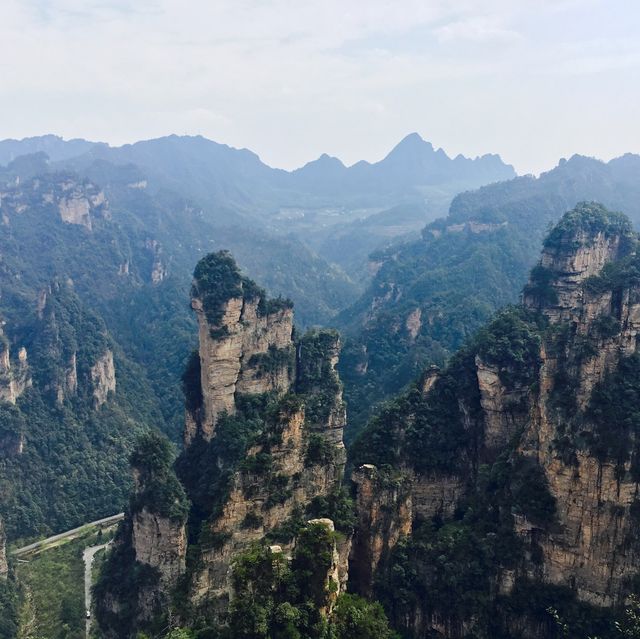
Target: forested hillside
(497,497)
(97,248)
(88,271)
(427,296)
(328,206)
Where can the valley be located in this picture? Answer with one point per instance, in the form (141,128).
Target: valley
(411,429)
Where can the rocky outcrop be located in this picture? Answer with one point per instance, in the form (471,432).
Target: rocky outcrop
(79,203)
(245,349)
(103,378)
(280,477)
(160,543)
(388,503)
(68,385)
(231,358)
(75,210)
(591,549)
(4,566)
(158,266)
(414,323)
(385,508)
(148,555)
(337,572)
(15,376)
(570,256)
(299,455)
(500,405)
(75,201)
(263,454)
(538,398)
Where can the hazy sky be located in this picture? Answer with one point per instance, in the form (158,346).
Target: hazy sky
(533,80)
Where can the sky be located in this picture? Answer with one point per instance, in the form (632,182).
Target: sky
(532,80)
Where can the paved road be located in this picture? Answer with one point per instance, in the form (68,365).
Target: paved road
(66,535)
(87,555)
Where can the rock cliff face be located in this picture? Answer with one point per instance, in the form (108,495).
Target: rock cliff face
(230,363)
(385,515)
(15,376)
(4,566)
(542,401)
(160,543)
(149,551)
(294,457)
(74,201)
(245,348)
(103,378)
(263,453)
(595,493)
(79,204)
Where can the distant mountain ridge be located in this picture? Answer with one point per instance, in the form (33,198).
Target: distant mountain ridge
(54,146)
(412,163)
(210,170)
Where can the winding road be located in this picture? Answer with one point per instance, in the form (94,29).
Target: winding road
(87,555)
(69,534)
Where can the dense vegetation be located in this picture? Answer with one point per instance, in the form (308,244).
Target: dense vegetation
(278,599)
(588,220)
(78,469)
(123,284)
(9,607)
(52,601)
(615,412)
(158,491)
(450,566)
(465,267)
(434,432)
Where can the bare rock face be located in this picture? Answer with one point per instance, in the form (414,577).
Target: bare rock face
(385,509)
(4,566)
(68,385)
(246,349)
(387,506)
(414,323)
(75,210)
(103,378)
(501,421)
(79,203)
(161,543)
(15,376)
(158,267)
(230,359)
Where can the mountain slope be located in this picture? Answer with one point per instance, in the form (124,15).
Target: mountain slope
(427,296)
(505,493)
(118,257)
(52,145)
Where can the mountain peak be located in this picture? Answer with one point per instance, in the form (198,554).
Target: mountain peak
(411,144)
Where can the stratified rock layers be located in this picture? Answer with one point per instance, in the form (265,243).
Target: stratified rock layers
(588,312)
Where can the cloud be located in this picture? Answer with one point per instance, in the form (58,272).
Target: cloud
(294,78)
(477,29)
